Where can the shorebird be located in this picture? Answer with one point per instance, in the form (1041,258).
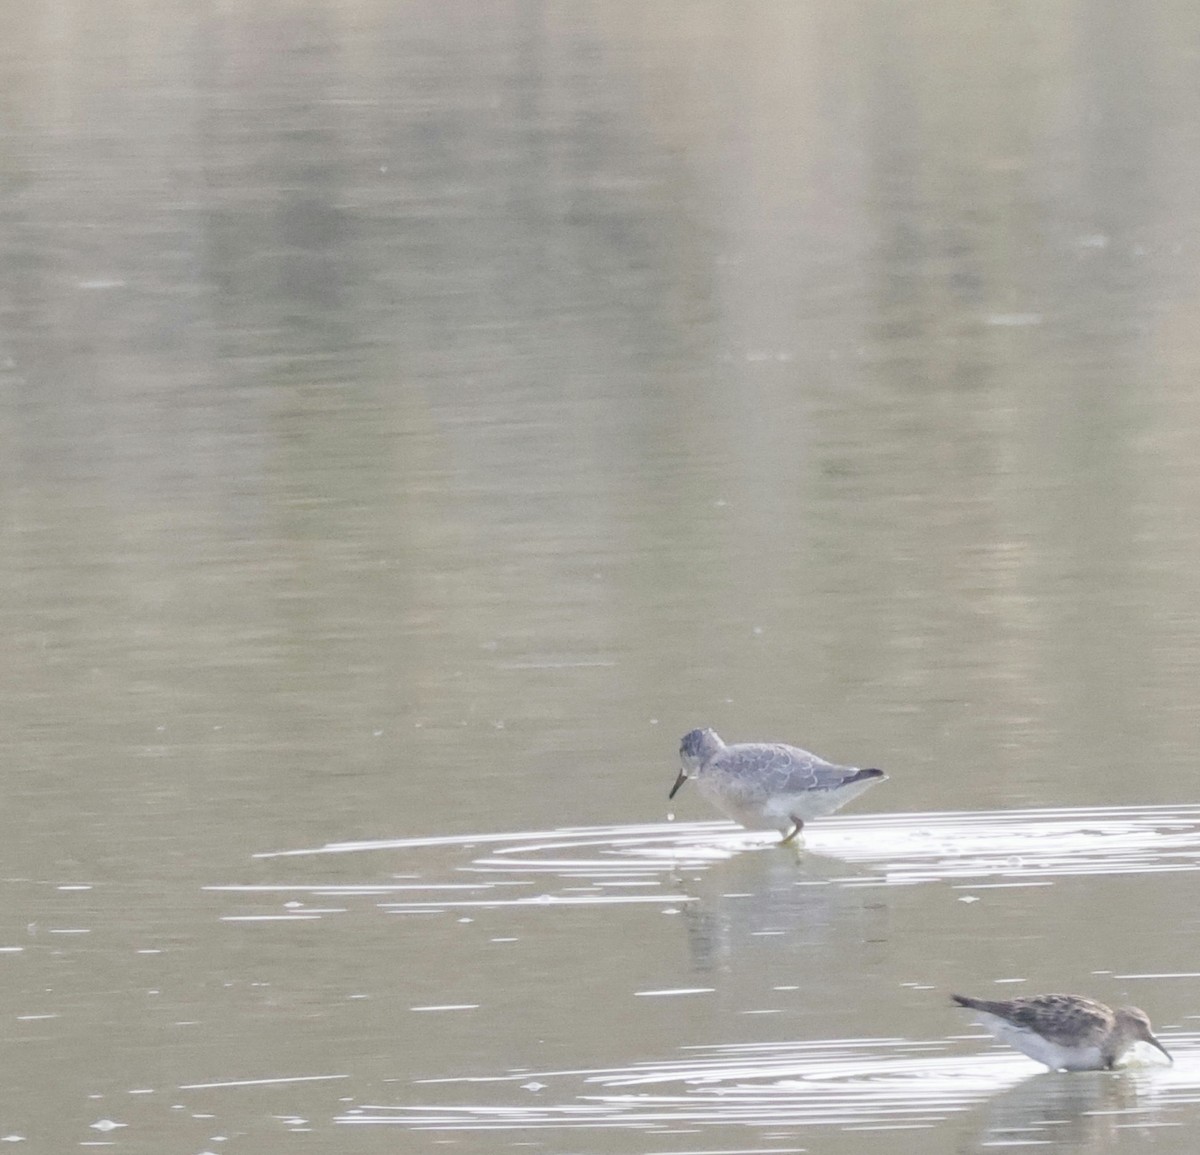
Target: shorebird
(765,785)
(1066,1032)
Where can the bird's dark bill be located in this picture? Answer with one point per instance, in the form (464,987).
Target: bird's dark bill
(1155,1043)
(678,782)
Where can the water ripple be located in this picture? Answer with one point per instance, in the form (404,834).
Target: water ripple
(630,865)
(877,1084)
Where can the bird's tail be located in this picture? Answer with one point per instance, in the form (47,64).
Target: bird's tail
(866,775)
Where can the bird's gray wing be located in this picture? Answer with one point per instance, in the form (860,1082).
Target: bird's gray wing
(801,770)
(763,769)
(756,770)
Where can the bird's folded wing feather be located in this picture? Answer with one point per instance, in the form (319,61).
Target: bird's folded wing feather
(1057,1020)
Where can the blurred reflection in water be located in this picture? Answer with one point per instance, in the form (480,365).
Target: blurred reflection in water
(774,894)
(1072,1113)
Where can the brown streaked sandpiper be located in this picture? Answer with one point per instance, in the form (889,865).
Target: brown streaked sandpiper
(1066,1032)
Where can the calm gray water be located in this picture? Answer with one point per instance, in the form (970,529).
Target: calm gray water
(415,416)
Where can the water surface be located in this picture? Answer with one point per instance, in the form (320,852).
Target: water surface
(412,423)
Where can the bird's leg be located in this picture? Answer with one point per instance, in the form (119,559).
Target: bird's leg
(790,837)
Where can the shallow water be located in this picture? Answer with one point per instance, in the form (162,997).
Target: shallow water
(411,424)
(721,974)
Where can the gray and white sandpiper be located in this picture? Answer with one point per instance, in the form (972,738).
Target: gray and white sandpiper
(1066,1032)
(766,785)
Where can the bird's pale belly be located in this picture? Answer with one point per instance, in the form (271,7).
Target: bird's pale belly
(750,814)
(1056,1056)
